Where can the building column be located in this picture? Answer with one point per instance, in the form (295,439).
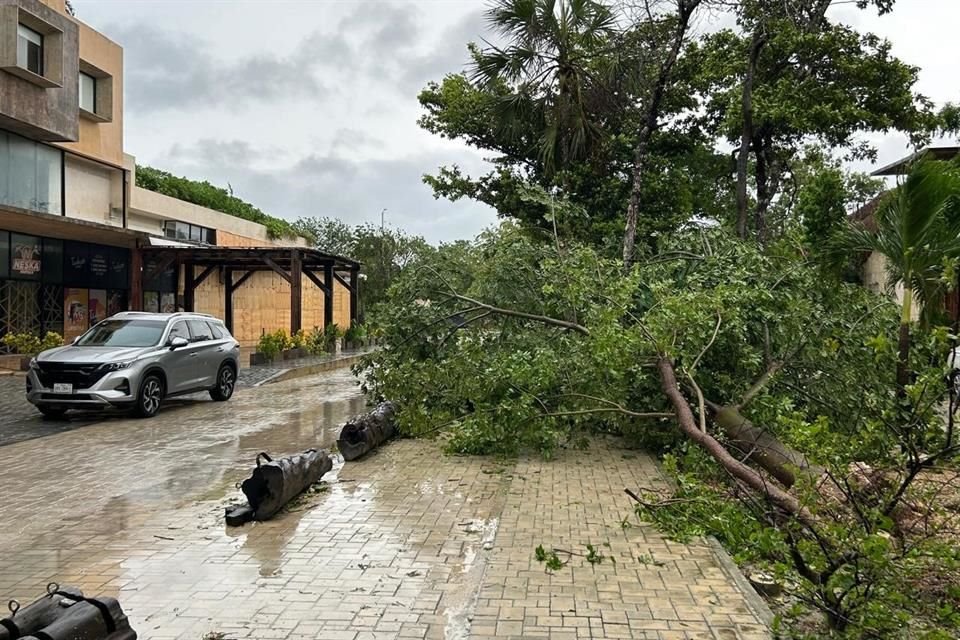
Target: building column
(228,299)
(328,295)
(354,295)
(189,287)
(296,291)
(135,301)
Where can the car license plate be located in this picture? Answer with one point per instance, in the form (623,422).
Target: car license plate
(62,387)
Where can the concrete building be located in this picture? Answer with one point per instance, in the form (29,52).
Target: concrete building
(79,241)
(874,269)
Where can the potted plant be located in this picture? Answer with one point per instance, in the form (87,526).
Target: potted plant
(270,346)
(298,345)
(355,336)
(334,338)
(27,345)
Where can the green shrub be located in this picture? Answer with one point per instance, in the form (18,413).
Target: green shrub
(207,195)
(272,344)
(355,333)
(30,344)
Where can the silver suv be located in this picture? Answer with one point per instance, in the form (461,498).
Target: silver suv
(135,360)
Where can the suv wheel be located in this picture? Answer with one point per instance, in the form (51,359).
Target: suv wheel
(149,397)
(226,381)
(53,413)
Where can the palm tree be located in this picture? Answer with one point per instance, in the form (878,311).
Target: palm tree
(918,232)
(545,62)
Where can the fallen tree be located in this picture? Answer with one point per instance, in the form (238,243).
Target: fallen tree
(785,386)
(274,483)
(364,433)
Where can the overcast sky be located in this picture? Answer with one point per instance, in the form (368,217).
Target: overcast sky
(309,107)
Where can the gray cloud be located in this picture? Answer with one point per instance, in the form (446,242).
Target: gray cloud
(335,186)
(168,70)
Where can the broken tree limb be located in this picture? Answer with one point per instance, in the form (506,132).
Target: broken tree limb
(363,433)
(274,483)
(740,471)
(761,447)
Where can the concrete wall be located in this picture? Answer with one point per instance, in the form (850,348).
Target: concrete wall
(99,140)
(48,112)
(93,191)
(875,279)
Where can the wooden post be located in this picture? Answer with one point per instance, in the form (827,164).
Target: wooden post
(354,294)
(135,301)
(228,299)
(296,291)
(189,286)
(328,296)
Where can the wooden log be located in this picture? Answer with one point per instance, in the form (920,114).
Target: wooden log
(763,448)
(363,433)
(275,482)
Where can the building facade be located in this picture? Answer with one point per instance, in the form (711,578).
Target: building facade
(79,241)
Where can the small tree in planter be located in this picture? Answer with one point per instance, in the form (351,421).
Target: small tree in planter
(29,345)
(271,345)
(355,336)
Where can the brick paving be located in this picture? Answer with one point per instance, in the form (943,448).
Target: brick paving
(407,543)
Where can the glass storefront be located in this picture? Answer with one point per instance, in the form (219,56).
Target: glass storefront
(160,291)
(59,285)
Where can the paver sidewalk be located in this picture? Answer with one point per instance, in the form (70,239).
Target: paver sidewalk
(407,543)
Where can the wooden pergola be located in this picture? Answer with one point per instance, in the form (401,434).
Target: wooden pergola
(238,264)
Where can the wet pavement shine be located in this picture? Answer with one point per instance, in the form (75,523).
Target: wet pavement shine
(406,543)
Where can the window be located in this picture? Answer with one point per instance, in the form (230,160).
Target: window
(30,174)
(200,331)
(179,330)
(216,331)
(177,230)
(29,49)
(123,333)
(88,92)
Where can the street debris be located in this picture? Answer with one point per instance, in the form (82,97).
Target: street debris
(65,614)
(274,483)
(364,433)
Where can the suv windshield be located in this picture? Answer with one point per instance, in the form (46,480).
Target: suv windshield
(123,333)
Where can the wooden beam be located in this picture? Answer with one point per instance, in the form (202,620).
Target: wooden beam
(228,298)
(317,281)
(296,291)
(328,296)
(354,295)
(339,278)
(236,285)
(188,287)
(203,275)
(162,265)
(276,268)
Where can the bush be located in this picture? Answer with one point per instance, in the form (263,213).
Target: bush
(30,344)
(355,333)
(272,344)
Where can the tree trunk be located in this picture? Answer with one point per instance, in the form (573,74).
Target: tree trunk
(759,446)
(746,134)
(364,433)
(763,191)
(277,482)
(740,471)
(685,9)
(903,346)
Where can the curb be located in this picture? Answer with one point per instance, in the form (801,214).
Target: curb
(754,600)
(309,370)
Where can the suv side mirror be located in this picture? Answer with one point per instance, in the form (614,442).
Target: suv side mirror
(75,340)
(177,342)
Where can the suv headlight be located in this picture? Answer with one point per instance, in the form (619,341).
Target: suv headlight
(33,364)
(116,366)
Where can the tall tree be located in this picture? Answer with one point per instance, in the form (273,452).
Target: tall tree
(918,232)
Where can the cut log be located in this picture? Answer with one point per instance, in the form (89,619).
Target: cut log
(65,614)
(274,483)
(761,447)
(366,432)
(238,514)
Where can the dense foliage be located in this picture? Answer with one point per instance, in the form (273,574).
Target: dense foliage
(207,195)
(383,251)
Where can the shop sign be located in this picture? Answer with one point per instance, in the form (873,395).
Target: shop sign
(26,259)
